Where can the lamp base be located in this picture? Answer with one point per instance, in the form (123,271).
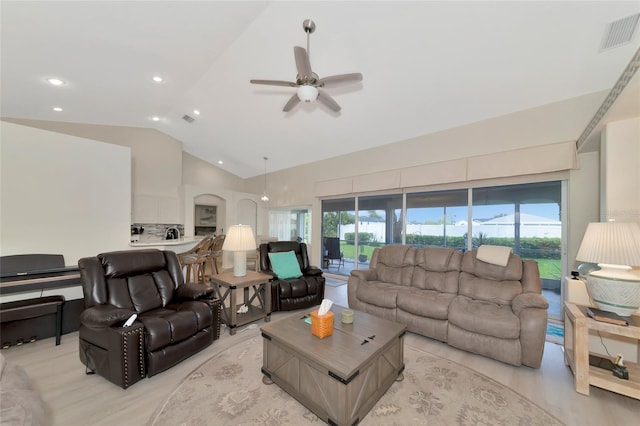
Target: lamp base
(619,294)
(239,263)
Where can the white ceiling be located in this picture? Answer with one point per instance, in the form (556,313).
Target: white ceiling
(427,66)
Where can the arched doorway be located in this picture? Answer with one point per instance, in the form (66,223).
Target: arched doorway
(209,215)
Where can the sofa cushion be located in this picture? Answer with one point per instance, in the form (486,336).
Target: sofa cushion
(285,265)
(395,264)
(378,293)
(297,287)
(164,327)
(425,303)
(500,292)
(488,318)
(437,269)
(511,272)
(483,281)
(123,264)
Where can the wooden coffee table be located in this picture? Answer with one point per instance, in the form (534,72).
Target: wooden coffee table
(341,377)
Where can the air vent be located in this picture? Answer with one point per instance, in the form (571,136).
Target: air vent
(188,118)
(620,32)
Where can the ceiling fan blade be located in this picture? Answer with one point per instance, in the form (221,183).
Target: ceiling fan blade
(293,101)
(302,63)
(328,101)
(335,80)
(274,83)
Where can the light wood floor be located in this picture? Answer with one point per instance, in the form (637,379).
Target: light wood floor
(74,398)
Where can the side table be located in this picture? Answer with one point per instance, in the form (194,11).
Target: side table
(576,352)
(256,281)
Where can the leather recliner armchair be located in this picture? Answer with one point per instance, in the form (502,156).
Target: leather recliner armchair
(174,319)
(293,293)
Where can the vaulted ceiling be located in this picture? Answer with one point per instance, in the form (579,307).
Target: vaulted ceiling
(427,66)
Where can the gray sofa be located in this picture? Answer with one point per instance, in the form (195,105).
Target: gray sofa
(492,310)
(20,403)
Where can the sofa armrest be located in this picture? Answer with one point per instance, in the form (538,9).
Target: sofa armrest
(531,309)
(103,316)
(528,300)
(193,291)
(312,270)
(365,274)
(216,310)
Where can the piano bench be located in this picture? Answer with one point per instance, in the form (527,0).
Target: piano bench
(32,308)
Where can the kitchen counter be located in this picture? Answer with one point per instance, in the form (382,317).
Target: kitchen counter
(180,245)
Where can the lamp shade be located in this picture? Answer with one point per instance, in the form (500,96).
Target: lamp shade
(613,243)
(615,247)
(239,240)
(307,93)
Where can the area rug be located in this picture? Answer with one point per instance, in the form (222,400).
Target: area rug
(227,389)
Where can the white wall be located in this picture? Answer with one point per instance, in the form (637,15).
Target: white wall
(62,194)
(156,165)
(548,124)
(583,200)
(201,173)
(620,171)
(156,158)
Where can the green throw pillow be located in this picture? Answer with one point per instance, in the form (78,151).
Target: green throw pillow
(285,265)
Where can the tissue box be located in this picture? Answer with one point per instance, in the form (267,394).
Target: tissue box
(321,326)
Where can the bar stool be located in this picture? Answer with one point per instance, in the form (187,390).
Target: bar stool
(193,261)
(216,254)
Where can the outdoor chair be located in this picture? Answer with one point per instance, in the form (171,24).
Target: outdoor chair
(332,252)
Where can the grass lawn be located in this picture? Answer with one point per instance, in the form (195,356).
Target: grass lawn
(549,268)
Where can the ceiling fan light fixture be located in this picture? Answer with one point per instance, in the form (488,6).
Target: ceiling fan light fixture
(307,93)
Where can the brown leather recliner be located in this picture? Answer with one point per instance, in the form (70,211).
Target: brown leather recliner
(293,293)
(174,319)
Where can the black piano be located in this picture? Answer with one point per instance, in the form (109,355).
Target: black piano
(20,321)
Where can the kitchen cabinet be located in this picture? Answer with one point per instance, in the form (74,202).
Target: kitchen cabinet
(168,210)
(155,209)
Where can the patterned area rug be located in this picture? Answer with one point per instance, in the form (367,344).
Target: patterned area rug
(227,389)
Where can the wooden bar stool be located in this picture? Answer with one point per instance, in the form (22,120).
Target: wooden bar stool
(193,261)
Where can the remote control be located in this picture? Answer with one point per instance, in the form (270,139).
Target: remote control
(130,321)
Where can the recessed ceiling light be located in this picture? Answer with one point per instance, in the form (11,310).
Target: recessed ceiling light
(55,81)
(220,162)
(158,79)
(155,118)
(196,112)
(57,109)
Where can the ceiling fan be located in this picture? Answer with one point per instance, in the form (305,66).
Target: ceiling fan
(308,84)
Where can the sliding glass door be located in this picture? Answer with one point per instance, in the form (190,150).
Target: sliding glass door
(438,219)
(525,217)
(338,220)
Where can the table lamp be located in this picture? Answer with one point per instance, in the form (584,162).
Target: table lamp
(239,240)
(615,247)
